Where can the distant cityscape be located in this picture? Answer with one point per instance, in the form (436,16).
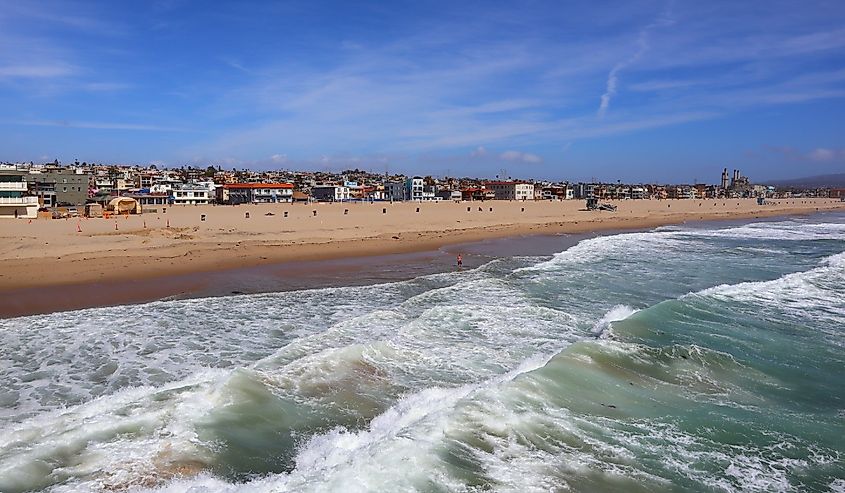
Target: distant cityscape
(26,188)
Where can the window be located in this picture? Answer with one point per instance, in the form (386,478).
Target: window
(64,189)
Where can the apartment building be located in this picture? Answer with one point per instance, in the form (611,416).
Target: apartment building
(330,193)
(414,188)
(511,190)
(69,186)
(191,194)
(252,193)
(15,200)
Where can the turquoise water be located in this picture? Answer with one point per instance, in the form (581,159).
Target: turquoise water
(696,358)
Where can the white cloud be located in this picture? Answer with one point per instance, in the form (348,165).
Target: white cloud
(95,125)
(642,46)
(824,155)
(279,158)
(520,156)
(36,71)
(478,152)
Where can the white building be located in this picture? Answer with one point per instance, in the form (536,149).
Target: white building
(414,188)
(512,190)
(251,193)
(192,194)
(330,193)
(14,198)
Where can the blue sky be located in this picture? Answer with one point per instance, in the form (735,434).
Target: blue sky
(630,90)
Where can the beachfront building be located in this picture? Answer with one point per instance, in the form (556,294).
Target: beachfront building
(554,192)
(638,192)
(394,190)
(477,193)
(414,188)
(256,193)
(330,193)
(447,194)
(69,186)
(149,199)
(511,190)
(15,200)
(191,194)
(586,190)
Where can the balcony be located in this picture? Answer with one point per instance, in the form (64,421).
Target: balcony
(13,186)
(30,200)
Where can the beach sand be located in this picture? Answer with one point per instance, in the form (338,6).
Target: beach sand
(54,254)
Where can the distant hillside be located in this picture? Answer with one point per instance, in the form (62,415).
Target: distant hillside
(833,181)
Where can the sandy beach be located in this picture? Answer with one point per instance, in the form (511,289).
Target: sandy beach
(55,253)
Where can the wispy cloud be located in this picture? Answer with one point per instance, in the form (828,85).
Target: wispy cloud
(279,158)
(236,65)
(95,125)
(36,71)
(525,157)
(827,155)
(663,20)
(479,151)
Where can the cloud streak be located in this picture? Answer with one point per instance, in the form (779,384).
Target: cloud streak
(642,46)
(94,125)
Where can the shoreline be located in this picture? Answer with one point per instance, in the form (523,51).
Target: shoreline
(84,279)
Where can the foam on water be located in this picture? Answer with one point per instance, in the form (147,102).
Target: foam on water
(818,293)
(617,313)
(489,378)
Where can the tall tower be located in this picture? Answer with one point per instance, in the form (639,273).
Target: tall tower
(725,178)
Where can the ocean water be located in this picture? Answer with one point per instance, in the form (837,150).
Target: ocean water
(695,358)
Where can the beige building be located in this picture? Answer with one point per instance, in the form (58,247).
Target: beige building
(512,190)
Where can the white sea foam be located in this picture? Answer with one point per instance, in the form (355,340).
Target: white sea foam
(815,293)
(393,453)
(780,230)
(617,313)
(618,246)
(118,397)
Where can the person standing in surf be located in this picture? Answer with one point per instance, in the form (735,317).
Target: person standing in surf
(460,261)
